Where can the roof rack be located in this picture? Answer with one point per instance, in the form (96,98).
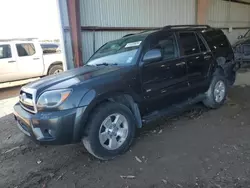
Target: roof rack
(19,39)
(185,26)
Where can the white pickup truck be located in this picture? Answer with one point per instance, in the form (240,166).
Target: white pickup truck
(24,58)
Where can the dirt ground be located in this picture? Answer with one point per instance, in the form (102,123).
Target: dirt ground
(200,148)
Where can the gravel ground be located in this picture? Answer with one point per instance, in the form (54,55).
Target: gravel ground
(200,148)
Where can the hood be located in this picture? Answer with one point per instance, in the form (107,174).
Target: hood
(70,78)
(241,41)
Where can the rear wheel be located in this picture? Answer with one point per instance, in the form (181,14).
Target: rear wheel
(110,131)
(217,93)
(55,69)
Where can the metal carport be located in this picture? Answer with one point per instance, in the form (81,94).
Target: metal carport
(88,24)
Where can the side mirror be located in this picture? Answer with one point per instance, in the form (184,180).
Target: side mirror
(152,55)
(240,37)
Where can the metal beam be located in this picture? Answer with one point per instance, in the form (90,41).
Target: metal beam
(202,11)
(75,31)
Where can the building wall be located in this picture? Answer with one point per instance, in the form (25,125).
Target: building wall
(130,13)
(226,14)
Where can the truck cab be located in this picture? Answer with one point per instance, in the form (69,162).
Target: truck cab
(23,59)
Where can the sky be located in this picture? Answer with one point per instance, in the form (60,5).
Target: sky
(29,18)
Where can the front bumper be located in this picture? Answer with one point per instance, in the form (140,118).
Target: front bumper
(60,127)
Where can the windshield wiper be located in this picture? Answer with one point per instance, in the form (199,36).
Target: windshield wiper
(106,64)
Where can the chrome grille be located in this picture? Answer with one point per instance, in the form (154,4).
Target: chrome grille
(27,101)
(28,107)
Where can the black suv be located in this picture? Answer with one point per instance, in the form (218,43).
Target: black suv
(125,84)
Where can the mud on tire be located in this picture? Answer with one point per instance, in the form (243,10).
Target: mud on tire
(55,69)
(214,96)
(99,118)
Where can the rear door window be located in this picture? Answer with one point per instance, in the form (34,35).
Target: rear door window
(5,51)
(25,49)
(189,43)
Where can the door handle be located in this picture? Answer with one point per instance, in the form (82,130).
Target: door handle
(207,57)
(180,64)
(11,61)
(36,58)
(165,66)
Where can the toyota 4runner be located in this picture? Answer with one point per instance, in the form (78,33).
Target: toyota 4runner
(125,84)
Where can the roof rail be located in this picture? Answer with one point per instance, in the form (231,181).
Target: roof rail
(20,39)
(185,26)
(144,31)
(154,29)
(128,35)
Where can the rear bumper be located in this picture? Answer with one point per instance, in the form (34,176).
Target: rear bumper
(60,127)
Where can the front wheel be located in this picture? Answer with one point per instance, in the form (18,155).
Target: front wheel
(110,131)
(217,92)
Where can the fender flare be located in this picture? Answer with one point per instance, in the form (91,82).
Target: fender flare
(135,109)
(53,64)
(92,100)
(221,66)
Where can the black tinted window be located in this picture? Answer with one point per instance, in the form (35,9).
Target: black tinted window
(202,45)
(189,43)
(216,40)
(25,49)
(167,45)
(246,49)
(5,51)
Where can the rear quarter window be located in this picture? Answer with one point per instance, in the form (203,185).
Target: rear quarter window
(216,40)
(50,48)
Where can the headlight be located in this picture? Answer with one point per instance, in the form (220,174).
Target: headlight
(52,99)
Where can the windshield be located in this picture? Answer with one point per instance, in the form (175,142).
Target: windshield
(247,35)
(120,52)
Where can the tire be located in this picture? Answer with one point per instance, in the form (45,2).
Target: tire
(55,69)
(210,100)
(95,127)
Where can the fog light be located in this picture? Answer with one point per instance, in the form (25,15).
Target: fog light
(52,133)
(38,133)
